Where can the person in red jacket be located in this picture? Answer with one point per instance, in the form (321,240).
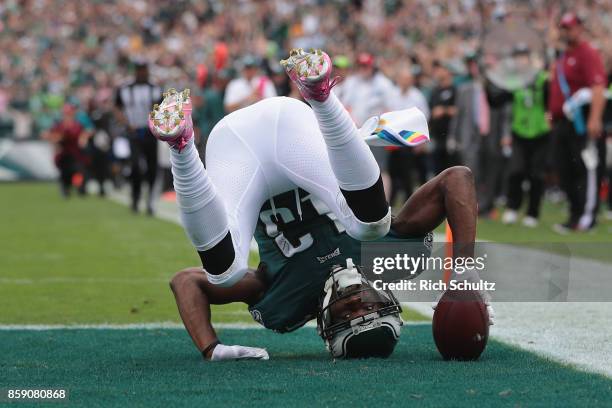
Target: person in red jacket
(69,137)
(579,140)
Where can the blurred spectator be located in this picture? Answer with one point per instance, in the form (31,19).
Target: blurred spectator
(368,92)
(99,146)
(342,67)
(208,108)
(69,137)
(580,145)
(472,121)
(134,101)
(53,50)
(250,87)
(408,95)
(281,81)
(405,163)
(494,153)
(530,130)
(442,111)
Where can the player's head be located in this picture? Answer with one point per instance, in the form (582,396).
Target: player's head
(356,320)
(571,28)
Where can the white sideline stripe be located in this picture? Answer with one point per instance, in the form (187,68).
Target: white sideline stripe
(146,326)
(128,326)
(573,333)
(36,281)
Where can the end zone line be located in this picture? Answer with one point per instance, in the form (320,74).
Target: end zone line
(146,326)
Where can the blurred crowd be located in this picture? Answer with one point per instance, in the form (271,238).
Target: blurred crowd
(70,58)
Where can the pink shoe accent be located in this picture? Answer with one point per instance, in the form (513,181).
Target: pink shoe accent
(311,72)
(171,121)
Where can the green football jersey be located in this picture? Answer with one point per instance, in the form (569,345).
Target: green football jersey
(299,245)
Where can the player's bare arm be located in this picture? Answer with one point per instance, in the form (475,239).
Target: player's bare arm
(194,295)
(450,195)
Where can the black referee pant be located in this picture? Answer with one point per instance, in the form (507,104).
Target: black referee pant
(528,162)
(143,160)
(581,185)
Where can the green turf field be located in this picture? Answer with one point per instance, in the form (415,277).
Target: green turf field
(90,261)
(160,368)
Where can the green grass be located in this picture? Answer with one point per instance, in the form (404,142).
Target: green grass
(87,260)
(551,214)
(594,244)
(160,368)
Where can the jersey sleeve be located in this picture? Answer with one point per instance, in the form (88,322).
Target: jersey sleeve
(593,67)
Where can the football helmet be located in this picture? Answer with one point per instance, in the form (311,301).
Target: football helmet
(355,320)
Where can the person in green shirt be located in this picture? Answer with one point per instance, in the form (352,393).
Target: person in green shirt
(530,129)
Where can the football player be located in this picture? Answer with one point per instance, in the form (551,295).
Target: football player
(303,182)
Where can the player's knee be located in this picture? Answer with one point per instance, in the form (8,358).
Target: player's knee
(182,278)
(456,177)
(459,173)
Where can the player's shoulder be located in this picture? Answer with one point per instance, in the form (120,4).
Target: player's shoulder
(587,49)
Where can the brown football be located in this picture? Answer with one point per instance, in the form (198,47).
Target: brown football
(461,325)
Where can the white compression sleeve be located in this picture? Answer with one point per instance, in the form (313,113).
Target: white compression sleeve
(351,159)
(203,213)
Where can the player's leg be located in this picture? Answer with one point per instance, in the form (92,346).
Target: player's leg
(203,211)
(150,154)
(194,294)
(302,156)
(135,171)
(517,168)
(352,162)
(450,195)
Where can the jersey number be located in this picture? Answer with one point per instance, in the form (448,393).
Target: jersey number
(305,241)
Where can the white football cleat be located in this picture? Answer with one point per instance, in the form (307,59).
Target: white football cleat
(171,120)
(311,73)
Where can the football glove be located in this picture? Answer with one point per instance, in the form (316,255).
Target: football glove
(223,352)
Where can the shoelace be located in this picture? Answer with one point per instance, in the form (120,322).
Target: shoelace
(324,88)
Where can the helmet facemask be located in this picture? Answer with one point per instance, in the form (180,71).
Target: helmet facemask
(372,333)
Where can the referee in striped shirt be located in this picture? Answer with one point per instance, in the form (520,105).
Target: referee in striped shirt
(134,101)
